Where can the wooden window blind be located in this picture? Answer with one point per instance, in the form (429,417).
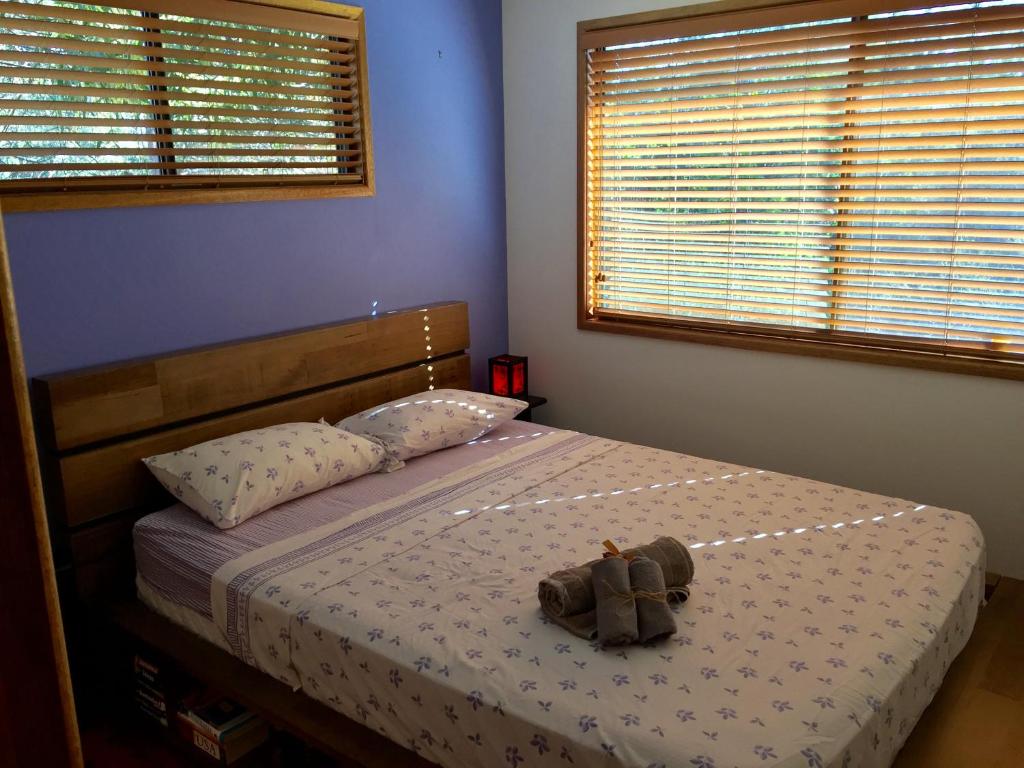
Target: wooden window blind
(141,101)
(846,175)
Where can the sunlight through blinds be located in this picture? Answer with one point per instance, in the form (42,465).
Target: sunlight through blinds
(852,177)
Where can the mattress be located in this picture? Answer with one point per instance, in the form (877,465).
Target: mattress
(820,624)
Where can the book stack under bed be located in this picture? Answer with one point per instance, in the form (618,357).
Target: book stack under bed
(151,690)
(215,729)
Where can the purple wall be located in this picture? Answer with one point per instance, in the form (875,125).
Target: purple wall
(103,285)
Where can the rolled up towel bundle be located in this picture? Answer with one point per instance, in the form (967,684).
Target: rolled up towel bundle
(654,617)
(616,607)
(567,597)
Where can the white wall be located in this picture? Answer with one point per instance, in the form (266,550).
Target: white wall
(941,439)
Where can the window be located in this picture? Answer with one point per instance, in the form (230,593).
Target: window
(839,178)
(151,101)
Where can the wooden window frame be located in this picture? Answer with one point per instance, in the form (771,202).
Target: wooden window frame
(229,189)
(884,350)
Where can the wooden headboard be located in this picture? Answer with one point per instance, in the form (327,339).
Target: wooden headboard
(96,424)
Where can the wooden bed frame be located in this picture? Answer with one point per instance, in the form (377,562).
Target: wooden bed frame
(95,425)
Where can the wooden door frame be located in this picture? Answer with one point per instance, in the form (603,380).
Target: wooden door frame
(37,712)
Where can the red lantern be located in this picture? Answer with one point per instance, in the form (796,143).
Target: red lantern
(508,376)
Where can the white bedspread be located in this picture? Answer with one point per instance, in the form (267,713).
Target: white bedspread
(821,621)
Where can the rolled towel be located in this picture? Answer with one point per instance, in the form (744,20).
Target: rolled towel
(616,608)
(654,618)
(568,592)
(675,561)
(567,596)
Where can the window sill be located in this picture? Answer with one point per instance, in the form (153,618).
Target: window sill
(78,199)
(766,341)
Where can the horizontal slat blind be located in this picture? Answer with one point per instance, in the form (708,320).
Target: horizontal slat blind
(848,178)
(149,94)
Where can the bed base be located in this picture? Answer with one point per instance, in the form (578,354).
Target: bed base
(314,723)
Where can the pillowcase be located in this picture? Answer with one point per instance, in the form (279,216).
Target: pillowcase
(419,424)
(231,479)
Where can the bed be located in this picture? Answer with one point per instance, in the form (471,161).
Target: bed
(820,624)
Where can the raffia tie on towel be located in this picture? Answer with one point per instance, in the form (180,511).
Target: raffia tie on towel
(638,594)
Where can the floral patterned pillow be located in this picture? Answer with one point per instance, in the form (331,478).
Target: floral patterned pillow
(231,479)
(419,424)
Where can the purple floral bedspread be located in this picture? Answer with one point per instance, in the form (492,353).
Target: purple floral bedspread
(820,624)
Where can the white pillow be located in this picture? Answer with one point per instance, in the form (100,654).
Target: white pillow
(426,422)
(231,479)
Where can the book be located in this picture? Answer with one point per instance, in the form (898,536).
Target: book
(144,677)
(148,674)
(217,715)
(230,746)
(156,702)
(146,709)
(147,667)
(157,693)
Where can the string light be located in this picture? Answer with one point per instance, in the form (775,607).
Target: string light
(797,531)
(482,411)
(429,350)
(717,543)
(581,496)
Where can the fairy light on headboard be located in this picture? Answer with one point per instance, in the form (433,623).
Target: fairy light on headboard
(430,349)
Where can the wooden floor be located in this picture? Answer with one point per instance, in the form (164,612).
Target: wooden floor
(977,717)
(975,720)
